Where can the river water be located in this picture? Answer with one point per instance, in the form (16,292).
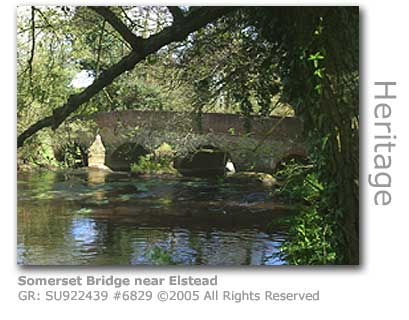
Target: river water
(90,218)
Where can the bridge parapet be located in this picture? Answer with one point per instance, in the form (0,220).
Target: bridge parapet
(232,124)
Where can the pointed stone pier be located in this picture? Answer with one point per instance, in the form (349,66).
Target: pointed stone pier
(96,155)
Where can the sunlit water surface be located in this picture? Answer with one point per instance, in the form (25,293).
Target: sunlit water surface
(89,218)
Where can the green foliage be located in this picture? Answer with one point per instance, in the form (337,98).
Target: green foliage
(71,142)
(299,183)
(43,157)
(319,68)
(311,236)
(232,69)
(318,72)
(71,155)
(150,164)
(311,239)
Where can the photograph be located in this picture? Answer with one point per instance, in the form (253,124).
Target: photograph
(187,135)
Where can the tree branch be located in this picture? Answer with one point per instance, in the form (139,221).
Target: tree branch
(119,26)
(181,29)
(177,32)
(177,13)
(33,42)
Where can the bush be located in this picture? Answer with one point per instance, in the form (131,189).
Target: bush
(150,164)
(312,238)
(298,182)
(38,153)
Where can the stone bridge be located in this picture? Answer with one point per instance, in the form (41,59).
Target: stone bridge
(251,144)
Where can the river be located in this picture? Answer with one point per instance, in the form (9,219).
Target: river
(89,218)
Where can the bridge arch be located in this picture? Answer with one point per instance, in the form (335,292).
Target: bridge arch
(126,154)
(207,160)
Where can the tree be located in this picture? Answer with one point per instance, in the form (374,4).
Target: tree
(309,58)
(183,24)
(319,68)
(232,68)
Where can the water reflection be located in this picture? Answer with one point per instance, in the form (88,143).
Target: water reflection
(83,218)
